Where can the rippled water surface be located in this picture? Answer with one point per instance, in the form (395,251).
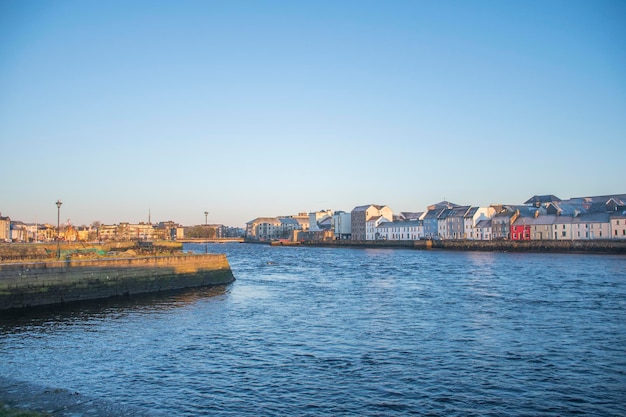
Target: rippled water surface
(321,331)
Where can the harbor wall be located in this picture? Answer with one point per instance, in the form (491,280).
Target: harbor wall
(43,283)
(580,246)
(24,252)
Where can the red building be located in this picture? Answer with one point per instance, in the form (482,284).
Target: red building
(520,229)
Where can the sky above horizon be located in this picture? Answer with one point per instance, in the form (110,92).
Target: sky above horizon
(264,108)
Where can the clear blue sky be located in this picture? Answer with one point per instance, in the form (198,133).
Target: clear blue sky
(262,108)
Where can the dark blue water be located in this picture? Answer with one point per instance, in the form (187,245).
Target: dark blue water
(320,331)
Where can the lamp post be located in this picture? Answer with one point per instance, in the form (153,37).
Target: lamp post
(206,229)
(59,229)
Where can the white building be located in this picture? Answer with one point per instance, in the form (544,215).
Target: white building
(401,230)
(263,228)
(591,226)
(618,225)
(482,230)
(562,227)
(371,227)
(342,225)
(471,219)
(317,217)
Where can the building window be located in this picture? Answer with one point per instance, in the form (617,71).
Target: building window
(563,234)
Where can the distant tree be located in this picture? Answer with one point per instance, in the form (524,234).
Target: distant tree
(94,233)
(200,232)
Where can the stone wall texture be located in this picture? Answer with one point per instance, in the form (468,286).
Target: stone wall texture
(564,246)
(42,283)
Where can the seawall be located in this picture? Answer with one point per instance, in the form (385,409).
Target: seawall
(587,246)
(43,283)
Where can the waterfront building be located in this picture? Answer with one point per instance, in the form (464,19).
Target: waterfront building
(287,226)
(502,221)
(342,225)
(482,230)
(562,227)
(107,231)
(590,226)
(371,227)
(303,221)
(361,214)
(431,218)
(401,230)
(19,232)
(263,228)
(319,218)
(451,222)
(618,224)
(472,217)
(5,228)
(520,229)
(541,227)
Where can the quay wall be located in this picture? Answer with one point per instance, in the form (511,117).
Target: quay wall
(53,282)
(17,252)
(580,246)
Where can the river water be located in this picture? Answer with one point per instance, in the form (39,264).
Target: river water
(327,331)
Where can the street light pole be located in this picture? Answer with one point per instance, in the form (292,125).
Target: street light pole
(206,229)
(59,229)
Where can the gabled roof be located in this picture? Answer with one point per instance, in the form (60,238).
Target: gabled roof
(506,213)
(592,218)
(453,212)
(402,223)
(542,199)
(442,204)
(258,220)
(483,223)
(539,220)
(288,220)
(410,215)
(364,208)
(434,213)
(618,214)
(602,198)
(472,210)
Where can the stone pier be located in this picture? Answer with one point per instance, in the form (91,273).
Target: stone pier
(53,282)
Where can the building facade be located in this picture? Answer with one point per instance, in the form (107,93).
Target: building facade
(361,214)
(5,229)
(342,225)
(401,230)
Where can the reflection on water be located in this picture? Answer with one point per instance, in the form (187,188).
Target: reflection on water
(113,308)
(320,331)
